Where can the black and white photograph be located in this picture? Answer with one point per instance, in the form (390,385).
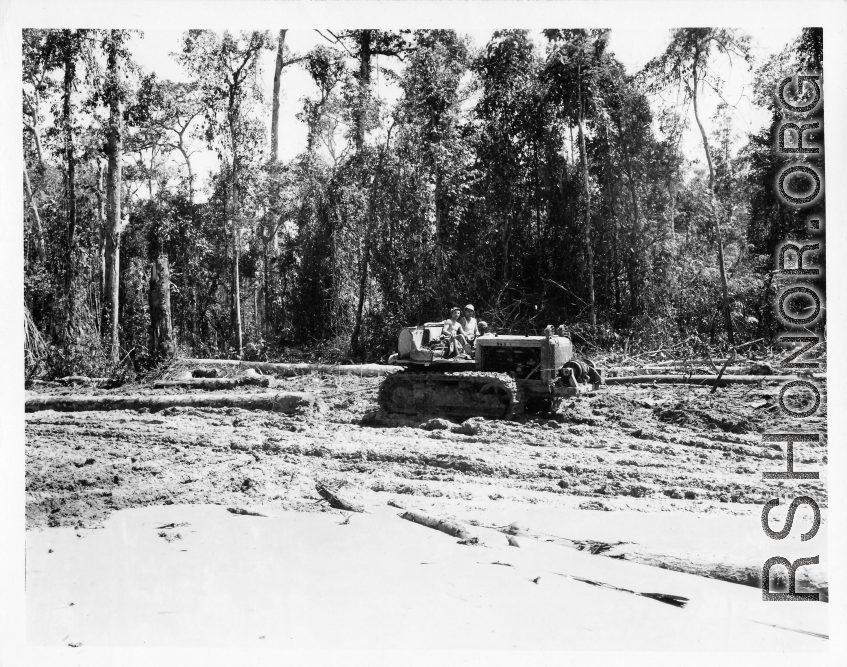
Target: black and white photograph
(443,334)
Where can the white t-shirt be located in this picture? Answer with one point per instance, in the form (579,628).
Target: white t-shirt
(451,328)
(469,326)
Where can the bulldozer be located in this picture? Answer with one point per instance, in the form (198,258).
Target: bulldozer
(507,376)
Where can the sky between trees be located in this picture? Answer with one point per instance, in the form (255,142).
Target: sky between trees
(633,47)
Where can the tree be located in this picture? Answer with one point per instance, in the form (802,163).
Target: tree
(577,62)
(70,46)
(687,64)
(365,45)
(168,115)
(39,58)
(327,69)
(430,110)
(114,92)
(226,71)
(283,60)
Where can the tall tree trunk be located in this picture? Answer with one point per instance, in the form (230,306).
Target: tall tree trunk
(39,230)
(275,112)
(355,348)
(635,231)
(187,158)
(439,223)
(271,244)
(589,250)
(715,206)
(364,87)
(267,313)
(235,312)
(159,299)
(68,83)
(101,238)
(672,213)
(114,148)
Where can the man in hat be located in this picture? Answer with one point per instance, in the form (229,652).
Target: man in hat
(469,330)
(452,333)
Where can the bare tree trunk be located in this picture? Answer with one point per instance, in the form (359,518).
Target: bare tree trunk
(114,150)
(721,266)
(101,248)
(589,250)
(39,230)
(439,222)
(33,129)
(366,254)
(70,161)
(235,311)
(271,243)
(187,159)
(672,213)
(363,282)
(364,87)
(635,232)
(159,299)
(275,113)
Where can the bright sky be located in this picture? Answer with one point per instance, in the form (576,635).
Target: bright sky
(633,47)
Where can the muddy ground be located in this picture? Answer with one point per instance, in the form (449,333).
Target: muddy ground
(652,448)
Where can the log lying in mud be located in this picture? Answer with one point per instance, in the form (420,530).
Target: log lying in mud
(808,579)
(691,362)
(80,379)
(291,370)
(287,402)
(444,525)
(705,380)
(661,370)
(337,501)
(211,384)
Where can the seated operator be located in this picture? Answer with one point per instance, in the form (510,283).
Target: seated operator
(450,333)
(469,329)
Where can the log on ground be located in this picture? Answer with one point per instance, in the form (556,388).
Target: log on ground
(700,369)
(444,525)
(287,402)
(212,384)
(335,500)
(711,567)
(291,370)
(705,380)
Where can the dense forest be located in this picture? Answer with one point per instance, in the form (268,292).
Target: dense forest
(531,175)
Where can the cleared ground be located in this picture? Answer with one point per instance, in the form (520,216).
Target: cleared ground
(662,476)
(636,446)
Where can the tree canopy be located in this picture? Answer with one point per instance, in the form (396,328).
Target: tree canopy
(531,175)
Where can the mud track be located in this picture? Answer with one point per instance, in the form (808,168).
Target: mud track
(654,447)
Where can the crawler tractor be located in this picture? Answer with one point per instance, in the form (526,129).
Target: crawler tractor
(509,375)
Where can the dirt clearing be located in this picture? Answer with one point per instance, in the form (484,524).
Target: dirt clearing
(654,449)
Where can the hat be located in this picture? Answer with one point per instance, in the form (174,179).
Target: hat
(469,307)
(455,308)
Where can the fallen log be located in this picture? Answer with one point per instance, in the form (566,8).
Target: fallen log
(700,369)
(287,402)
(243,512)
(690,362)
(337,501)
(291,370)
(444,525)
(720,375)
(80,379)
(211,384)
(810,579)
(706,380)
(206,373)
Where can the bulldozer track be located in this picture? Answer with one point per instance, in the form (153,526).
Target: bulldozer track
(465,395)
